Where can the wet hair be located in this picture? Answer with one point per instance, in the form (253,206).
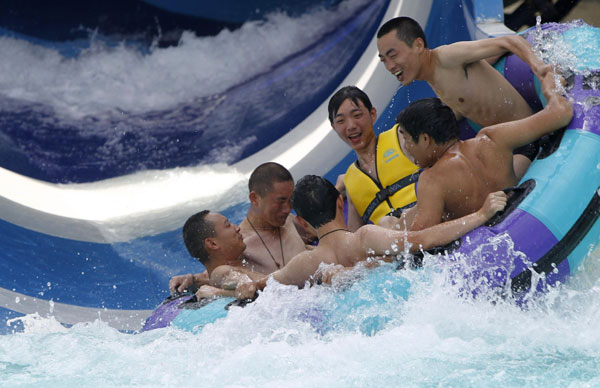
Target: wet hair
(347,92)
(195,230)
(264,176)
(429,116)
(314,199)
(407,30)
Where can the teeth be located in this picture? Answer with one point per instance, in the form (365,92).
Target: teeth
(398,73)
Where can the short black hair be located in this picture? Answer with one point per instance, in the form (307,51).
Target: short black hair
(264,176)
(347,92)
(429,116)
(314,199)
(195,230)
(407,30)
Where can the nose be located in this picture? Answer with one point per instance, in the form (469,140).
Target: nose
(389,65)
(350,123)
(287,207)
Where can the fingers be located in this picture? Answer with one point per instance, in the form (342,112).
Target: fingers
(245,290)
(498,201)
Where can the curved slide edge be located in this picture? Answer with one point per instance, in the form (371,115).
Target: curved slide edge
(105,211)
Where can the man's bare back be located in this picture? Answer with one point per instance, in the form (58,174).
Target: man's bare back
(468,171)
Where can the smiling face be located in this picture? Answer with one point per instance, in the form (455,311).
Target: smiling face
(275,206)
(400,59)
(418,151)
(227,235)
(353,123)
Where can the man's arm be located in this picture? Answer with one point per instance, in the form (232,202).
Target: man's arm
(381,240)
(555,115)
(189,282)
(354,219)
(298,271)
(228,277)
(430,201)
(463,53)
(211,292)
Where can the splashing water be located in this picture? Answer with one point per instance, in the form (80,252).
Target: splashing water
(390,328)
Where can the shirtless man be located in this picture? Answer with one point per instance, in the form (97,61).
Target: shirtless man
(320,207)
(459,74)
(458,174)
(269,230)
(218,245)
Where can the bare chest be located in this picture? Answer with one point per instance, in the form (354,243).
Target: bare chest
(481,94)
(269,250)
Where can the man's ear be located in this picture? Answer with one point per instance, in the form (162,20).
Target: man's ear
(419,44)
(373,113)
(253,197)
(425,138)
(303,223)
(210,243)
(340,203)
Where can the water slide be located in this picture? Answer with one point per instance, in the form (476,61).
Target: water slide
(110,139)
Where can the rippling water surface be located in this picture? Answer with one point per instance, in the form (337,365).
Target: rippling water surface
(375,336)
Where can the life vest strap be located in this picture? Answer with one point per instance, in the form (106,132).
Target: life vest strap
(387,192)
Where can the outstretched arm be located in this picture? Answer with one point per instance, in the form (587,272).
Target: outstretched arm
(298,271)
(228,277)
(190,282)
(555,115)
(381,240)
(463,53)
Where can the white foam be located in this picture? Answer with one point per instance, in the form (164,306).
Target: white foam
(112,79)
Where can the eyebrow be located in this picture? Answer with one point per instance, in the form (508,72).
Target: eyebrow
(354,109)
(386,53)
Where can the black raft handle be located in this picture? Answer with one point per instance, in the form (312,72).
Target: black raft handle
(516,195)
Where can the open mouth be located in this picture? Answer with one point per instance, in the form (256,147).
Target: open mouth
(355,138)
(399,73)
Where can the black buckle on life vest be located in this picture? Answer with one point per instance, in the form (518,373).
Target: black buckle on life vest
(383,194)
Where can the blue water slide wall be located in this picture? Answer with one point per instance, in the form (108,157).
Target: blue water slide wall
(35,146)
(78,280)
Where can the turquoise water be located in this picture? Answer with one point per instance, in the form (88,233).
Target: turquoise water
(427,337)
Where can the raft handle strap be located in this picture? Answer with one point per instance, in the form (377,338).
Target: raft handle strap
(516,195)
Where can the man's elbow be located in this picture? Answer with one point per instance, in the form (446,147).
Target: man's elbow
(418,241)
(562,111)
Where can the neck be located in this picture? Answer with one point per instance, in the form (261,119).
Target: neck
(329,227)
(254,217)
(441,149)
(427,70)
(366,156)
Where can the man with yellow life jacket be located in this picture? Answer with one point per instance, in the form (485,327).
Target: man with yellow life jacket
(382,180)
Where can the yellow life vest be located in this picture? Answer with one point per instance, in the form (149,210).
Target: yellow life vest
(395,189)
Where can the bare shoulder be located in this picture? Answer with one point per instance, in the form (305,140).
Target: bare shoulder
(220,272)
(452,55)
(246,229)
